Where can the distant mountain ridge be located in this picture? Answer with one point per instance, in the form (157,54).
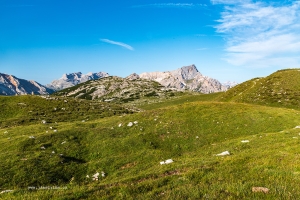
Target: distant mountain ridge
(72,79)
(186,78)
(11,85)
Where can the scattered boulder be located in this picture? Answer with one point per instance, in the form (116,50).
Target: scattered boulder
(44,122)
(166,162)
(96,176)
(225,153)
(260,189)
(5,191)
(245,141)
(130,124)
(31,137)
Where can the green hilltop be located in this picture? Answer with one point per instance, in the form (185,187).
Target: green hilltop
(281,88)
(113,150)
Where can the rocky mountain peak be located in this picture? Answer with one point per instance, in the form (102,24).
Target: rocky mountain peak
(185,78)
(187,72)
(71,76)
(133,76)
(72,79)
(11,85)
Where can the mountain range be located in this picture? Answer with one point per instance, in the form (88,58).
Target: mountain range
(72,79)
(185,78)
(11,85)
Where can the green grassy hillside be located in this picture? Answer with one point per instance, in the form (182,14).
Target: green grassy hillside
(190,133)
(258,122)
(281,88)
(27,109)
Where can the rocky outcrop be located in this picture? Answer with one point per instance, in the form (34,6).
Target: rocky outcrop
(11,85)
(117,89)
(185,78)
(133,76)
(72,79)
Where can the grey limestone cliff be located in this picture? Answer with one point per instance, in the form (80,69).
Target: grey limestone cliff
(72,79)
(11,85)
(185,78)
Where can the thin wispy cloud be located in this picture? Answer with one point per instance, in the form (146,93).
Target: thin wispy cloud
(118,44)
(260,34)
(172,5)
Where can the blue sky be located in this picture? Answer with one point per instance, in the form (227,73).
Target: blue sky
(232,40)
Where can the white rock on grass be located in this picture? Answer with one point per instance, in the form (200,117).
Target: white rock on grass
(63,142)
(5,191)
(95,176)
(166,162)
(245,141)
(297,127)
(44,122)
(31,137)
(55,130)
(120,125)
(43,148)
(130,124)
(103,174)
(135,122)
(225,153)
(169,161)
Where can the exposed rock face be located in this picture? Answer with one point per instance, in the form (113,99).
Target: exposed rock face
(72,79)
(117,89)
(11,85)
(185,78)
(133,76)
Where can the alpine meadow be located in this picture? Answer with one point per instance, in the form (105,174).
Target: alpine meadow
(238,144)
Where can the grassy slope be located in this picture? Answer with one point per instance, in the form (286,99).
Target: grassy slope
(23,110)
(130,156)
(280,89)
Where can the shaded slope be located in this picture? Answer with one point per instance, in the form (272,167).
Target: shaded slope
(281,88)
